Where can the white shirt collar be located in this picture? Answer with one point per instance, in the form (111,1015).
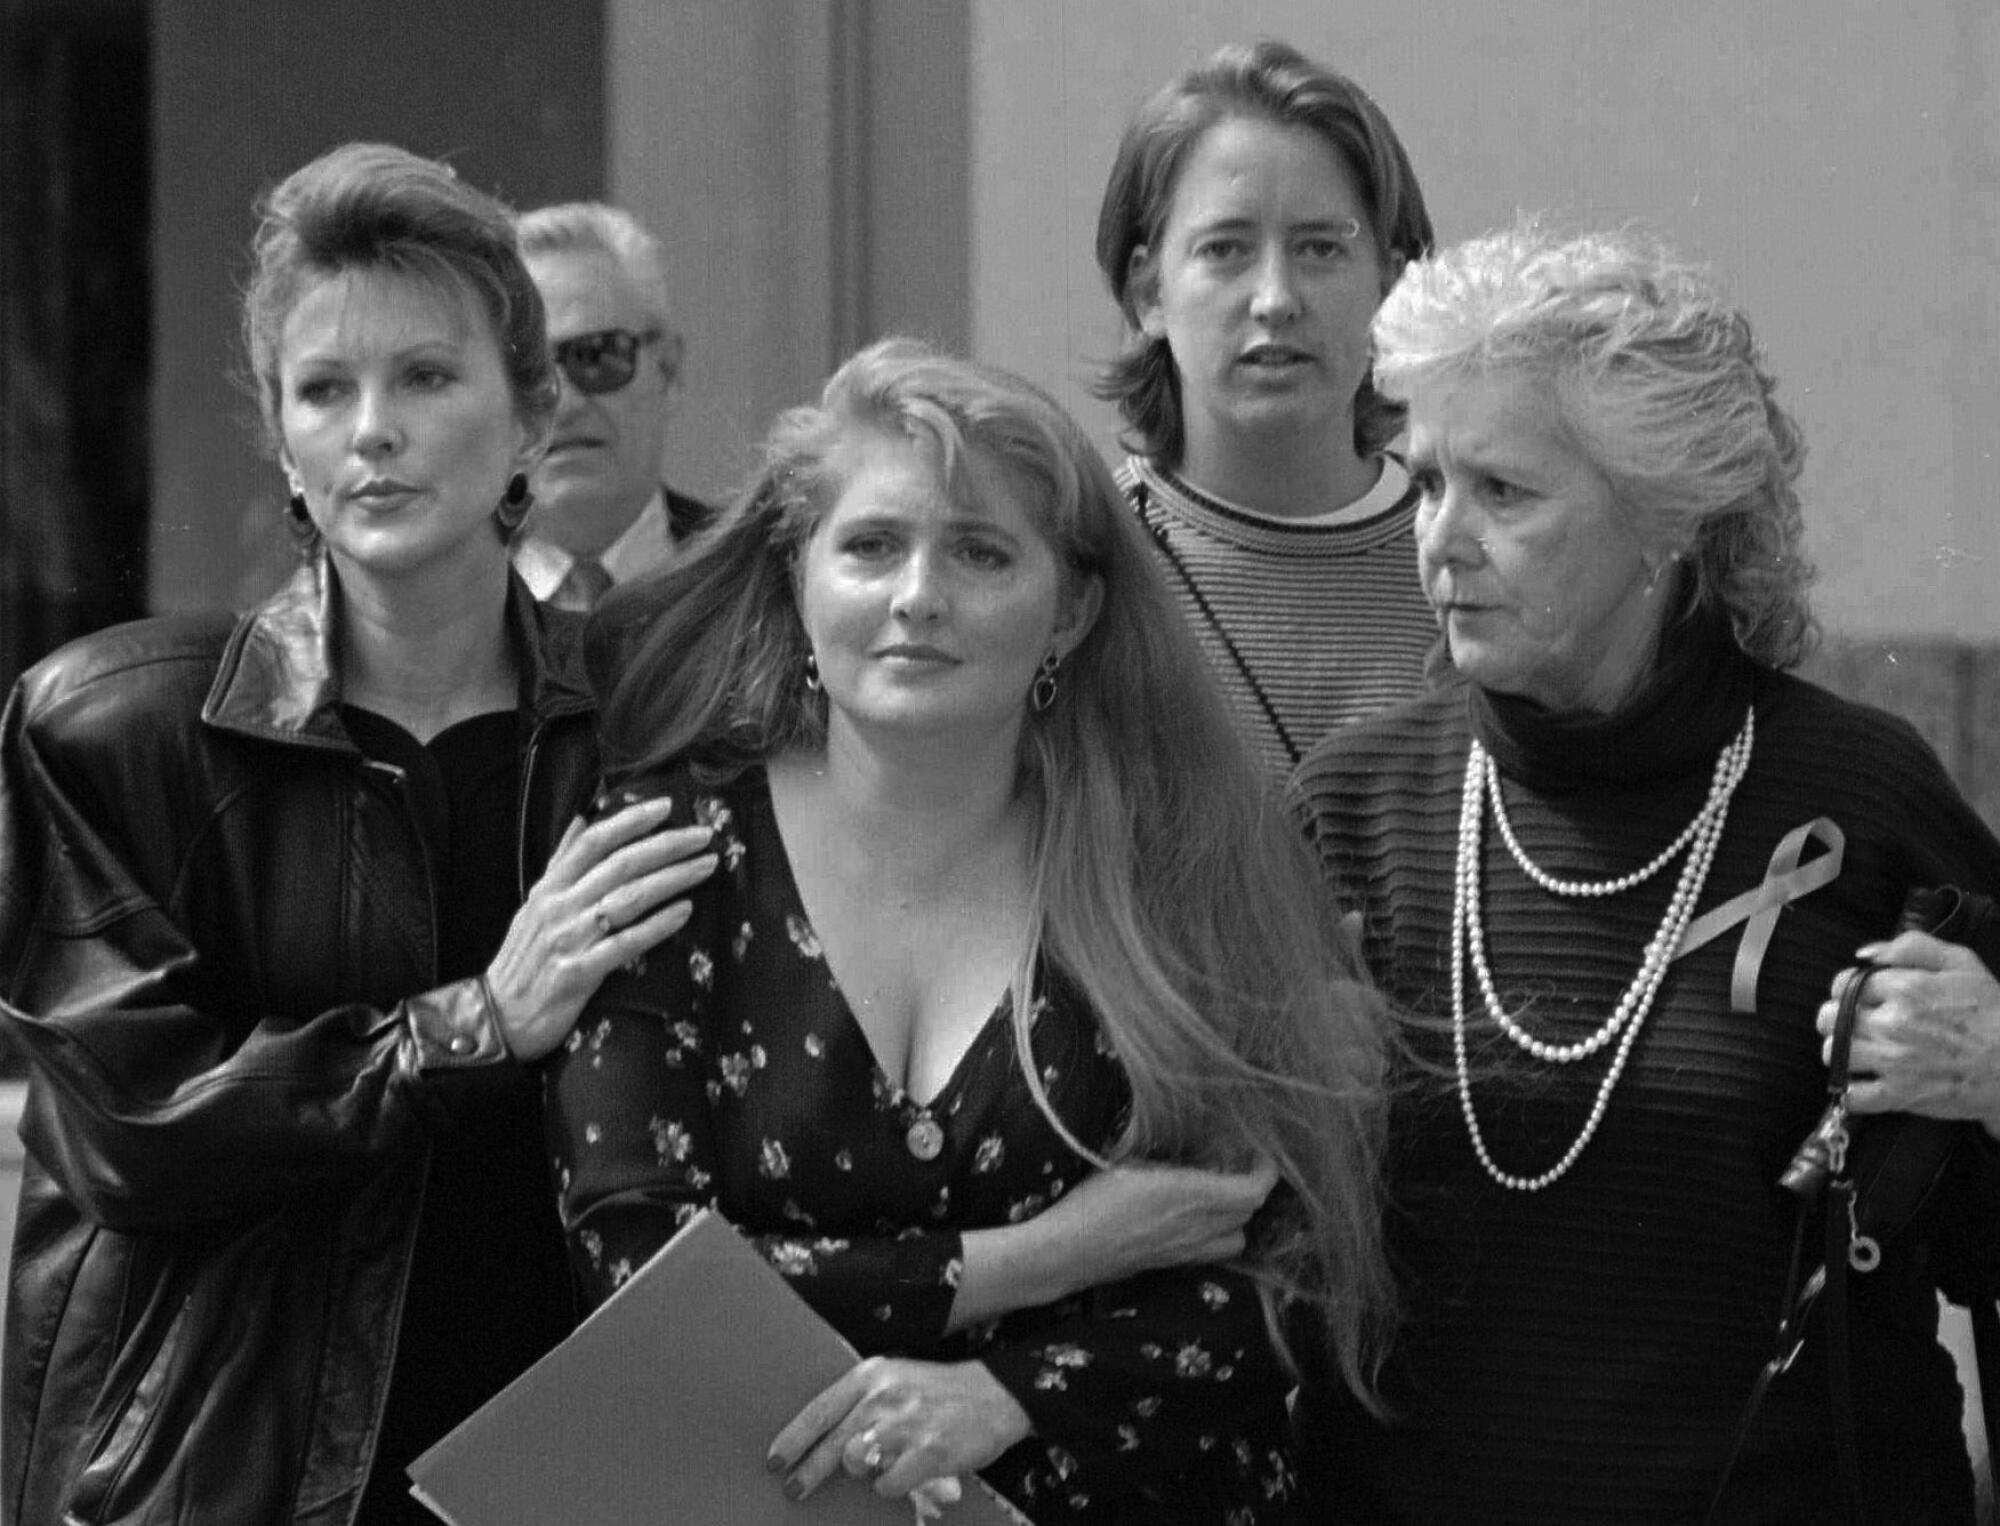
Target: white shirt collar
(647,542)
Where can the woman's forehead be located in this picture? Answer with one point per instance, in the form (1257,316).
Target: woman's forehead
(969,480)
(371,305)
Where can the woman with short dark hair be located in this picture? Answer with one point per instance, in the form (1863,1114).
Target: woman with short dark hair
(1258,208)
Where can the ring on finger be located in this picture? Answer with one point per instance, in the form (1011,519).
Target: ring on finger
(603,920)
(871,1451)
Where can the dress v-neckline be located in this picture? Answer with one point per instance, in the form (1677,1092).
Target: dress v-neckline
(955,1077)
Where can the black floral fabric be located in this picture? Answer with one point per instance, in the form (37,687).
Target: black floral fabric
(725,1070)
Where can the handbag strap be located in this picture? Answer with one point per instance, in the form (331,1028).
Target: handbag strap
(1831,1278)
(1840,1246)
(1792,1311)
(1839,1362)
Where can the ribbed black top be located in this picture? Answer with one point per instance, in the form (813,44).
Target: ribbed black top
(1581,1354)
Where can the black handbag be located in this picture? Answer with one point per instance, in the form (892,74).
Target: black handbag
(1873,1177)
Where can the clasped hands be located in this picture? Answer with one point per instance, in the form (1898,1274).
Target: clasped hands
(1926,1032)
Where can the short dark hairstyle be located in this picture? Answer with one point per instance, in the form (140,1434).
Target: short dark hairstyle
(374,206)
(1274,82)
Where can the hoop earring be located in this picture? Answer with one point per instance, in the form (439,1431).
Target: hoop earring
(514,506)
(1042,693)
(812,673)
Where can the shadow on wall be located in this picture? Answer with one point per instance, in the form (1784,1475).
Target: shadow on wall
(75,321)
(1948,690)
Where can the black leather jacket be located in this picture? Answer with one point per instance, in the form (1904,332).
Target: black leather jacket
(213,913)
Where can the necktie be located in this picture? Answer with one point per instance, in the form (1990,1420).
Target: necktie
(582,586)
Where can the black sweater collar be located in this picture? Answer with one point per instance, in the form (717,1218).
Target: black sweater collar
(1678,721)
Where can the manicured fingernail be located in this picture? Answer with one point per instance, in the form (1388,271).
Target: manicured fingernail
(774,1463)
(795,1489)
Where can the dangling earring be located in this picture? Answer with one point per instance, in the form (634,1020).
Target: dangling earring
(514,506)
(298,519)
(1043,692)
(812,673)
(1653,577)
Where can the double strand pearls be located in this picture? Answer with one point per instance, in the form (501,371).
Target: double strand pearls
(1701,838)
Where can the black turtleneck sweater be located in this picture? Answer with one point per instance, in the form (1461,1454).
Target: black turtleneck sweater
(1582,1354)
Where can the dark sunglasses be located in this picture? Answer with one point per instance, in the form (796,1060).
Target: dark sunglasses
(605,361)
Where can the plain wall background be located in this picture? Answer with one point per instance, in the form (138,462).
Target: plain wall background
(805,167)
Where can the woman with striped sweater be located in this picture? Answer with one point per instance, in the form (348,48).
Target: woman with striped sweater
(1258,209)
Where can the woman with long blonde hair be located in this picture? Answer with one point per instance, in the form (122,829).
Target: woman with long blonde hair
(1016,992)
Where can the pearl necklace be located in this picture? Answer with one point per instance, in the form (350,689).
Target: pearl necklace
(1701,838)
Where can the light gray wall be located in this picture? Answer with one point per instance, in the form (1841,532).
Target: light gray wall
(805,167)
(1837,160)
(244,91)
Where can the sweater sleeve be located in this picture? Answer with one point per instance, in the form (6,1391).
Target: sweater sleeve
(1949,844)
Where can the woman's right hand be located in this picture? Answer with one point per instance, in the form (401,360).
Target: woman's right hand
(1112,1225)
(1144,1218)
(612,890)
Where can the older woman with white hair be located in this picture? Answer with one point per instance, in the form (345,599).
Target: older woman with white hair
(1617,868)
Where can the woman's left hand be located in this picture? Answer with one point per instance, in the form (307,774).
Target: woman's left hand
(904,1423)
(1926,1033)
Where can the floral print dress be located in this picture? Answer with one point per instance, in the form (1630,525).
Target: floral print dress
(726,1071)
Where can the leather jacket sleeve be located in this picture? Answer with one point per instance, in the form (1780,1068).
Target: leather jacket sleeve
(149,927)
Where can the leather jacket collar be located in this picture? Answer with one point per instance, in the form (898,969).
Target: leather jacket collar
(278,679)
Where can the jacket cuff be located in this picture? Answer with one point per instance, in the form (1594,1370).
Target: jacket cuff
(454,1028)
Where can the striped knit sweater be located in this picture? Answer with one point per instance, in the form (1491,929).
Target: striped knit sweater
(1582,1354)
(1308,626)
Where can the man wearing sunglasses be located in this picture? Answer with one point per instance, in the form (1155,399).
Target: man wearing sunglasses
(602,515)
